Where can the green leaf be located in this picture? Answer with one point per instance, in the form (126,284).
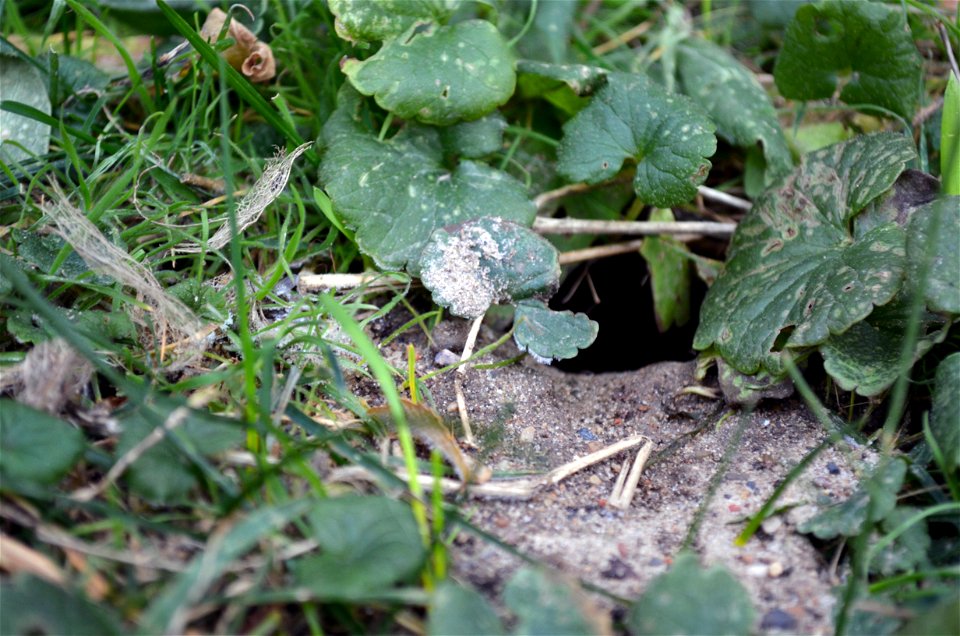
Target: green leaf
(775,14)
(747,390)
(736,102)
(547,605)
(25,84)
(950,137)
(582,80)
(368,544)
(864,46)
(438,74)
(691,600)
(366,21)
(942,291)
(795,272)
(30,606)
(866,357)
(397,192)
(847,518)
(486,261)
(37,449)
(551,335)
(669,275)
(908,552)
(165,473)
(945,414)
(942,618)
(168,612)
(548,39)
(474,139)
(633,118)
(455,609)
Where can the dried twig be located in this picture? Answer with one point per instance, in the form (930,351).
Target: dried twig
(458,381)
(626,484)
(545,225)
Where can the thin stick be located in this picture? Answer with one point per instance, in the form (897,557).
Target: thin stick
(307,283)
(177,417)
(544,225)
(622,39)
(458,381)
(723,197)
(624,490)
(600,251)
(713,194)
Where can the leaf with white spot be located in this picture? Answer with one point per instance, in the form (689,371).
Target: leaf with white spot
(631,117)
(397,192)
(942,288)
(367,21)
(735,101)
(865,46)
(474,139)
(22,137)
(551,335)
(487,261)
(866,357)
(439,74)
(539,77)
(797,273)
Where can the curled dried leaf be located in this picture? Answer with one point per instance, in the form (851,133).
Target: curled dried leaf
(248,55)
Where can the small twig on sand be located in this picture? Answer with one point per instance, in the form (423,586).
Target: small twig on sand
(307,283)
(626,484)
(458,381)
(544,225)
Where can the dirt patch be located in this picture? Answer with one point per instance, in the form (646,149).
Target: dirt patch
(531,418)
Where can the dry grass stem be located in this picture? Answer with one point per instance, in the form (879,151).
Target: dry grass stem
(626,484)
(458,381)
(545,225)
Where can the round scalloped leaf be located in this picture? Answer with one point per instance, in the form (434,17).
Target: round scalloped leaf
(946,411)
(474,265)
(366,21)
(551,335)
(631,117)
(396,193)
(25,84)
(689,599)
(439,74)
(37,448)
(474,139)
(943,282)
(795,274)
(868,42)
(547,603)
(735,100)
(866,357)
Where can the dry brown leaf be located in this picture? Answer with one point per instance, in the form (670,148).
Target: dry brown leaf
(248,55)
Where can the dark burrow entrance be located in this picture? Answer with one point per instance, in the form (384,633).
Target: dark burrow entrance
(628,337)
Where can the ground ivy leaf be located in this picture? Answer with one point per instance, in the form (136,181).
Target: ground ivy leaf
(633,118)
(474,139)
(909,550)
(946,410)
(942,290)
(867,41)
(548,38)
(551,335)
(368,543)
(486,261)
(689,599)
(582,80)
(31,605)
(794,270)
(547,604)
(395,193)
(455,609)
(866,357)
(37,448)
(669,275)
(439,74)
(366,21)
(23,83)
(736,102)
(847,518)
(747,390)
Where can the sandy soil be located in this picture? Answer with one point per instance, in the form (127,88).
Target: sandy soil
(530,417)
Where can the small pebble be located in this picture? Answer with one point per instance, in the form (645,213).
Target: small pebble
(833,469)
(757,570)
(528,434)
(778,619)
(445,357)
(586,434)
(596,481)
(775,570)
(771,525)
